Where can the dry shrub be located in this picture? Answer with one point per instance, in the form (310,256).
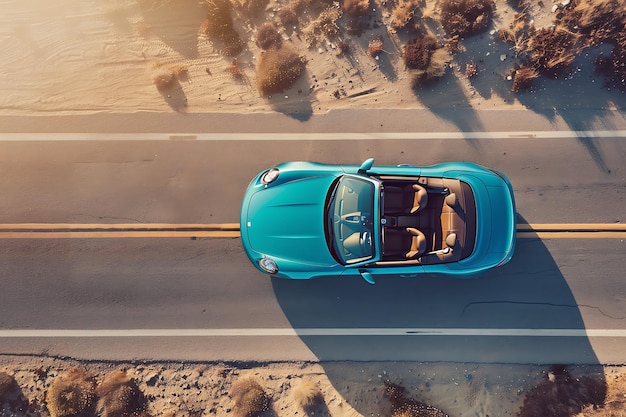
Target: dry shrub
(435,70)
(249,398)
(119,396)
(325,26)
(356,7)
(518,32)
(72,394)
(298,6)
(403,13)
(562,395)
(615,402)
(219,25)
(288,18)
(600,15)
(163,77)
(403,406)
(418,52)
(278,69)
(553,50)
(307,394)
(267,37)
(523,78)
(602,21)
(8,384)
(466,17)
(375,47)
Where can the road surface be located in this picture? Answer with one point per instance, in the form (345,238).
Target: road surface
(560,299)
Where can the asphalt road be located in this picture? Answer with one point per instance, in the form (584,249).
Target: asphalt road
(125,284)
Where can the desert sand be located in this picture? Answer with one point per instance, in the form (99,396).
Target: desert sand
(92,56)
(344,389)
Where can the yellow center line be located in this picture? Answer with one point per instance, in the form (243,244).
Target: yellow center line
(572,230)
(231,230)
(119,230)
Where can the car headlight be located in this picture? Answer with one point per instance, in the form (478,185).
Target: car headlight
(268,265)
(270,176)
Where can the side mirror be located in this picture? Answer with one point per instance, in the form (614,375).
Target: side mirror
(369,278)
(366,166)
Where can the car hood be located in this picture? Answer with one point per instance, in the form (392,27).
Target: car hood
(286,221)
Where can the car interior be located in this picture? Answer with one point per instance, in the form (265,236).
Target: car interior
(426,220)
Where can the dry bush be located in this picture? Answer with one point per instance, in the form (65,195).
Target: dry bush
(8,384)
(72,394)
(307,394)
(418,52)
(553,50)
(219,19)
(267,37)
(403,406)
(249,398)
(219,25)
(615,402)
(562,395)
(602,21)
(278,69)
(119,396)
(591,16)
(356,7)
(288,18)
(163,77)
(466,17)
(523,78)
(298,6)
(435,70)
(375,47)
(325,26)
(403,13)
(518,32)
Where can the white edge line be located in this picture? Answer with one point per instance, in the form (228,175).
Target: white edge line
(274,332)
(8,137)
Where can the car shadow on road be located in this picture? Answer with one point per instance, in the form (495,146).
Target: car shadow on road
(528,293)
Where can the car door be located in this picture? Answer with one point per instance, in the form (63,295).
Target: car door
(373,272)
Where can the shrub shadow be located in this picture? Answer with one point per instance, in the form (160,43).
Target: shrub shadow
(528,293)
(296,101)
(444,98)
(14,402)
(175,96)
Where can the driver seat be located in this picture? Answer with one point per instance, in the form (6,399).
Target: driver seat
(405,200)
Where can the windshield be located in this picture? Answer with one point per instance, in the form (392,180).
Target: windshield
(349,220)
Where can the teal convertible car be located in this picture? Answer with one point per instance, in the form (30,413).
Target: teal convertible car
(304,220)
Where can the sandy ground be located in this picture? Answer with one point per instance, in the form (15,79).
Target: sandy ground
(347,389)
(92,56)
